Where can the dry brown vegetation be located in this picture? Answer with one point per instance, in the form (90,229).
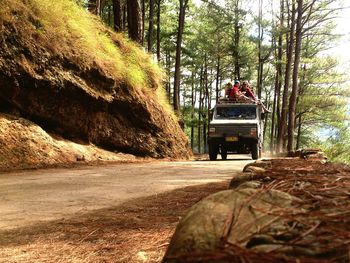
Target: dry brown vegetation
(313,227)
(137,231)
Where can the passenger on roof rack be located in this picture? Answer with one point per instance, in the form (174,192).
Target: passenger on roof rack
(237,94)
(228,88)
(245,89)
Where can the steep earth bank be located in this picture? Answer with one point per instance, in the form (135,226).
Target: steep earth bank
(52,79)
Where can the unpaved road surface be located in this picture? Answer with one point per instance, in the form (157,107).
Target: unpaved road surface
(30,197)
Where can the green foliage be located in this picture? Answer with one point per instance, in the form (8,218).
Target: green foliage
(337,146)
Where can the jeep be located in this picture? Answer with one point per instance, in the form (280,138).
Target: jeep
(235,127)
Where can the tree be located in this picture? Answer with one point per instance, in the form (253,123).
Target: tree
(158,30)
(275,118)
(94,6)
(282,127)
(150,26)
(117,13)
(293,96)
(134,14)
(182,13)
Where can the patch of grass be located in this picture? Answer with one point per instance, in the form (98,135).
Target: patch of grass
(71,31)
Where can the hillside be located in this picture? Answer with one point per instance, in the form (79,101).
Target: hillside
(62,70)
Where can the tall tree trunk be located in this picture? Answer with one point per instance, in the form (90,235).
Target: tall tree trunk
(158,30)
(168,66)
(94,6)
(200,100)
(299,131)
(135,20)
(260,60)
(217,79)
(182,13)
(279,68)
(237,27)
(124,17)
(278,82)
(143,19)
(295,86)
(193,102)
(282,128)
(110,23)
(150,26)
(273,116)
(206,103)
(117,12)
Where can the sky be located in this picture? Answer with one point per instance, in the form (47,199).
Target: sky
(342,49)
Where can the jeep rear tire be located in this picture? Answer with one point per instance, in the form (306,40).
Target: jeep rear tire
(213,152)
(223,153)
(255,151)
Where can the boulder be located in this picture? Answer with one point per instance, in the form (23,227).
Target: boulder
(229,217)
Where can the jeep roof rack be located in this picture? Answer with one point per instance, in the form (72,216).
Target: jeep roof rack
(222,100)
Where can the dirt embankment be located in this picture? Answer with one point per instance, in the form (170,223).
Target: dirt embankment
(24,144)
(55,80)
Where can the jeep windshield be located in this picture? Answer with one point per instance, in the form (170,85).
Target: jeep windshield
(236,113)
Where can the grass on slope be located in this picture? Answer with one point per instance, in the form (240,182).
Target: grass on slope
(70,31)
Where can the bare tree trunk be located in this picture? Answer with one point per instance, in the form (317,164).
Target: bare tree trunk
(299,131)
(135,20)
(200,110)
(278,83)
(273,117)
(193,102)
(168,66)
(117,11)
(143,20)
(158,30)
(295,87)
(237,27)
(206,103)
(94,6)
(260,60)
(182,13)
(279,68)
(282,128)
(110,10)
(150,26)
(124,17)
(217,79)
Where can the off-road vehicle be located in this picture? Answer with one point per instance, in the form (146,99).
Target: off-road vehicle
(235,127)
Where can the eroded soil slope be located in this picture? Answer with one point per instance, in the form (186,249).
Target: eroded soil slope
(49,78)
(23,144)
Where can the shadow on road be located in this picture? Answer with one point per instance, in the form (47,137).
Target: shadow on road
(135,231)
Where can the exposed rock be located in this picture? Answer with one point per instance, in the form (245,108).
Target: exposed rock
(303,219)
(247,177)
(260,163)
(229,217)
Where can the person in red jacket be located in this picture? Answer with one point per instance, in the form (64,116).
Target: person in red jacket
(250,94)
(235,91)
(245,88)
(237,94)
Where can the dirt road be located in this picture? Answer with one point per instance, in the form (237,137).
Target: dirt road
(37,196)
